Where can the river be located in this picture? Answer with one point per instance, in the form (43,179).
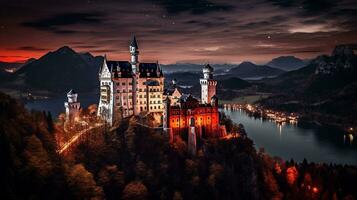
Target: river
(317,144)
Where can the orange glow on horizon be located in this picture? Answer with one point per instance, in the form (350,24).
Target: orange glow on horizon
(18,55)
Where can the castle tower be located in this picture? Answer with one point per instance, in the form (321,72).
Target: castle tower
(208,84)
(72,106)
(134,51)
(106,101)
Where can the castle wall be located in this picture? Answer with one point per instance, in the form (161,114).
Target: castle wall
(206,120)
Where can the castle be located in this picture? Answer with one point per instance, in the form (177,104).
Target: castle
(129,88)
(192,117)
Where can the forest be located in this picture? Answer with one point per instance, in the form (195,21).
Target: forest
(135,162)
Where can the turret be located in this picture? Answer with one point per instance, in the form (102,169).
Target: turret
(207,72)
(208,84)
(72,106)
(72,96)
(134,51)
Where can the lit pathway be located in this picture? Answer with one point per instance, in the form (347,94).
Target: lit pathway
(74,139)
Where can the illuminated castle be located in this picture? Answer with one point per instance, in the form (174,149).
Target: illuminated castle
(130,88)
(191,117)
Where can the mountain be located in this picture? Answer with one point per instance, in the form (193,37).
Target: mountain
(249,70)
(189,67)
(323,74)
(60,70)
(286,63)
(325,90)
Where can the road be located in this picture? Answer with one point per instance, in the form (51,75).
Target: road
(74,139)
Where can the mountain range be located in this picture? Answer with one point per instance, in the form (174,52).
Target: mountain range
(251,70)
(64,68)
(287,63)
(59,71)
(326,88)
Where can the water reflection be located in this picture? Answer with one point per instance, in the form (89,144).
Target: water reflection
(299,141)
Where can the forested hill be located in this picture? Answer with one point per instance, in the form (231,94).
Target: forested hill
(134,162)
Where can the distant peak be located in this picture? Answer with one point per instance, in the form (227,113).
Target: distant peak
(247,63)
(65,49)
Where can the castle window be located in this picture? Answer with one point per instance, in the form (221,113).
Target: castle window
(123,83)
(140,90)
(130,83)
(154,107)
(117,83)
(118,91)
(124,104)
(150,107)
(129,90)
(159,107)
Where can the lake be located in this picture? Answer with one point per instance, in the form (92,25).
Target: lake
(317,144)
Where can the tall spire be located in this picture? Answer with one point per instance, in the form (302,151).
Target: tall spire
(134,43)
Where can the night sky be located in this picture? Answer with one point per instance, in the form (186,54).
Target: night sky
(173,31)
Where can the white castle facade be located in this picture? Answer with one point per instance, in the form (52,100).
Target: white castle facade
(130,88)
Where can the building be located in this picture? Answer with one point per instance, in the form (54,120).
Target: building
(192,116)
(72,106)
(173,93)
(130,87)
(208,84)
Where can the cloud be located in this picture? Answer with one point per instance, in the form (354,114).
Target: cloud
(195,7)
(309,6)
(314,29)
(29,48)
(56,23)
